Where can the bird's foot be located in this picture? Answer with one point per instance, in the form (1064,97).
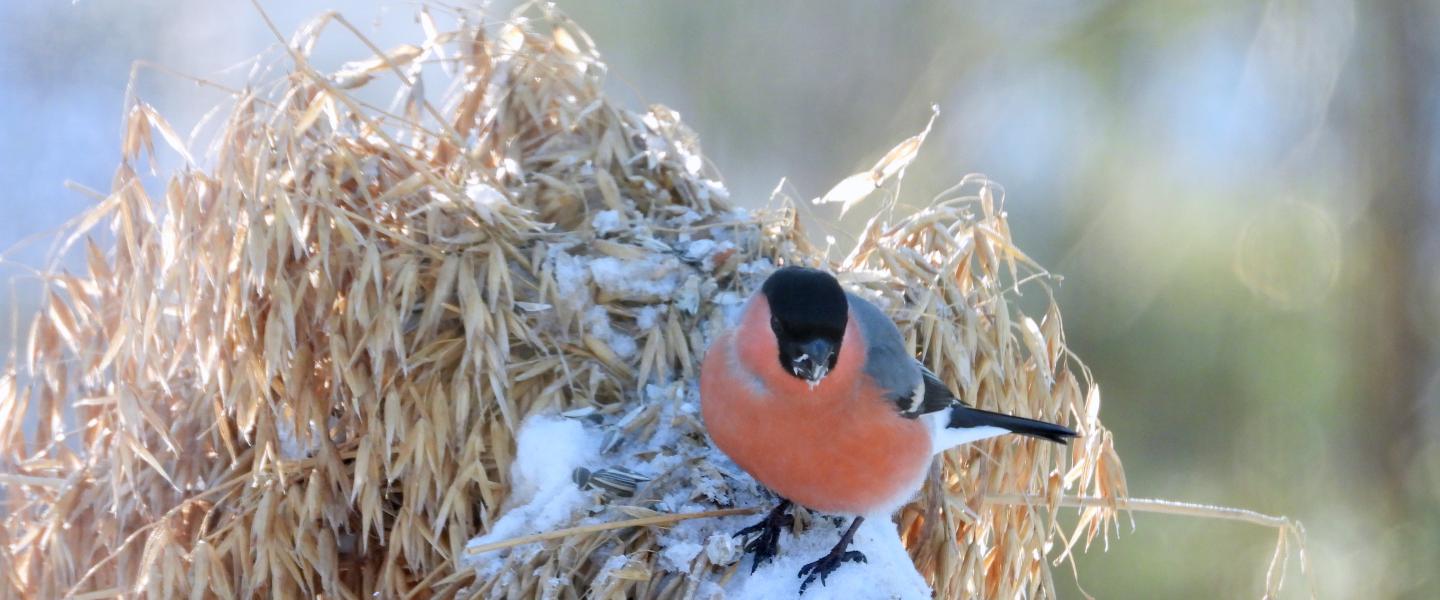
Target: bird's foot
(838,556)
(766,544)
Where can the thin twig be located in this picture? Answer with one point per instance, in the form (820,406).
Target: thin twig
(569,531)
(1285,525)
(1150,505)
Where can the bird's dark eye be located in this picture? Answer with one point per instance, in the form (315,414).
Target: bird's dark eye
(775,323)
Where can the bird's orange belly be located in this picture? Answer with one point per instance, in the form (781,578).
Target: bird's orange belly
(851,456)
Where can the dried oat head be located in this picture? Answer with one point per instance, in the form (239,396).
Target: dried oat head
(298,365)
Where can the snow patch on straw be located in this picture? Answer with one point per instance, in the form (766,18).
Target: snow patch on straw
(549,449)
(607,222)
(677,555)
(889,572)
(572,278)
(292,446)
(484,196)
(655,276)
(597,323)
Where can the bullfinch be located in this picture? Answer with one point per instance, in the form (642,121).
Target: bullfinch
(815,395)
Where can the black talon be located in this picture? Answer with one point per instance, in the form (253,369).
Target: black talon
(767,544)
(837,556)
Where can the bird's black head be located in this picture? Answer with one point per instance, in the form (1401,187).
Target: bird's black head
(808,312)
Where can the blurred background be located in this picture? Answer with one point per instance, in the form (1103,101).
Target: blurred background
(1242,198)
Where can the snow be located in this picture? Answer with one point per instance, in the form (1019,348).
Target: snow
(655,277)
(732,304)
(612,564)
(291,448)
(732,307)
(678,555)
(698,250)
(484,195)
(509,166)
(887,574)
(597,323)
(759,266)
(724,549)
(714,188)
(647,318)
(688,217)
(688,298)
(607,222)
(572,279)
(549,449)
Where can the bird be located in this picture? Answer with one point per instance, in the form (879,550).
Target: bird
(815,394)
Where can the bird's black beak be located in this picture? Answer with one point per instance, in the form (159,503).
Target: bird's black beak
(812,362)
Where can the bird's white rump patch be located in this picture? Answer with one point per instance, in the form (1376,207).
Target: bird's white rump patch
(943,438)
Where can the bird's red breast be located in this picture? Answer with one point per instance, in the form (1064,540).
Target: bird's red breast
(839,447)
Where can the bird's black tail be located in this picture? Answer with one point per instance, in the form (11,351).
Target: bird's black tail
(964,416)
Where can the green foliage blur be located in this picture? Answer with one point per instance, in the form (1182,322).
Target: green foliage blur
(1240,196)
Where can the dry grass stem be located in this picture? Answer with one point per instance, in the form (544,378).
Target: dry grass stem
(640,522)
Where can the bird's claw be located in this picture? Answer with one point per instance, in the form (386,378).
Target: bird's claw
(766,524)
(827,565)
(766,544)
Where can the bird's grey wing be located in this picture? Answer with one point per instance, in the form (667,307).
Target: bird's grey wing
(938,396)
(916,391)
(913,388)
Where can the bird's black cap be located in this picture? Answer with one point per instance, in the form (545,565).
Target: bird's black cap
(807,302)
(808,313)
